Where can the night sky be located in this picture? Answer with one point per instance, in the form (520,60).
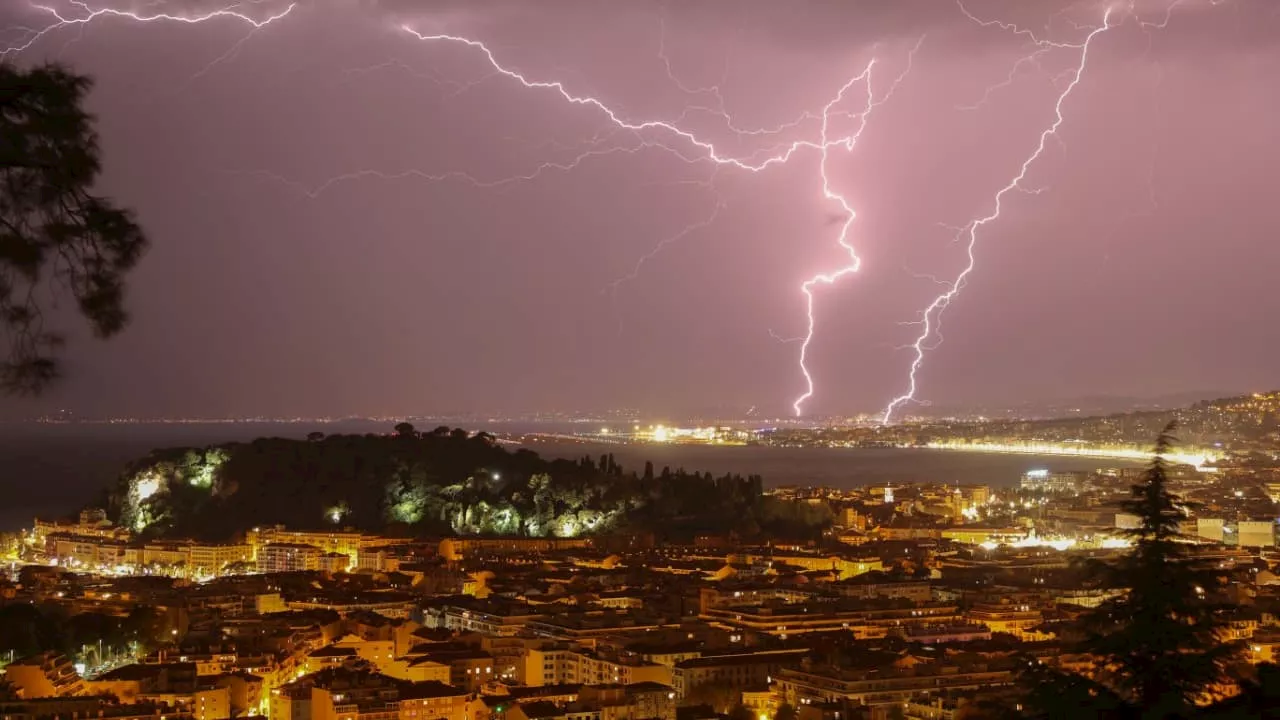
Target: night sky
(1142,259)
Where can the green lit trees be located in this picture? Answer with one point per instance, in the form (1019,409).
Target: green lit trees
(54,234)
(430,483)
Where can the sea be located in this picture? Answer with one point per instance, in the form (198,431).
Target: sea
(49,470)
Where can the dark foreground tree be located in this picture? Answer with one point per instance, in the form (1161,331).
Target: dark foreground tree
(55,236)
(1159,647)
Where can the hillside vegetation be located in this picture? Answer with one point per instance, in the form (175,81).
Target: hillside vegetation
(437,482)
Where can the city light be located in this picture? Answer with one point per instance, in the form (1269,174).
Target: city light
(1199,459)
(146,487)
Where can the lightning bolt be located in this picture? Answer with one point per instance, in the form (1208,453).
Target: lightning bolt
(693,148)
(930,318)
(785,340)
(706,147)
(90,14)
(312,193)
(707,150)
(1031,59)
(678,236)
(855,262)
(711,153)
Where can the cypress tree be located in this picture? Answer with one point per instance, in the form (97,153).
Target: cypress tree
(1159,646)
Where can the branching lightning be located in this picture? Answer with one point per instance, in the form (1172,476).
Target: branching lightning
(90,14)
(632,136)
(676,237)
(825,142)
(931,316)
(855,262)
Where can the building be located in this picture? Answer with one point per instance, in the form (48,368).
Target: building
(851,616)
(560,664)
(937,634)
(333,562)
(1256,533)
(348,543)
(288,557)
(880,585)
(343,694)
(1014,619)
(455,549)
(886,686)
(978,534)
(1210,528)
(851,518)
(843,566)
(1052,482)
(85,551)
(166,554)
(212,558)
(736,671)
(48,674)
(1128,521)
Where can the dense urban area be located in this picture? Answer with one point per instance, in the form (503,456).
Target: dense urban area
(1224,431)
(451,591)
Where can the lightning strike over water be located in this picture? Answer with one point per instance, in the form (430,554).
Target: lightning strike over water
(672,136)
(930,318)
(823,145)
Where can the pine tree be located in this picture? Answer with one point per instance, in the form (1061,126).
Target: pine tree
(55,235)
(1159,646)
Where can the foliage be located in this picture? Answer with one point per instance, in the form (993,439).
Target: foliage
(27,629)
(1259,699)
(1160,645)
(720,696)
(51,227)
(443,481)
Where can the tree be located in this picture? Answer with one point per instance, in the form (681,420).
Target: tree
(1259,699)
(741,712)
(720,696)
(786,711)
(404,430)
(1160,645)
(55,236)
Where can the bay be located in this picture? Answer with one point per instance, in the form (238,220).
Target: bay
(55,469)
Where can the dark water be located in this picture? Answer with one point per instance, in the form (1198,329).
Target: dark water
(55,469)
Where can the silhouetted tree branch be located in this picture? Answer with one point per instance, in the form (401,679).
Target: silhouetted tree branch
(55,236)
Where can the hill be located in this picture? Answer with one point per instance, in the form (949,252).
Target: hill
(446,481)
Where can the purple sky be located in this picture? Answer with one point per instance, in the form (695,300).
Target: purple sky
(1145,265)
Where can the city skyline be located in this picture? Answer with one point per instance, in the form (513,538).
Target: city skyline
(278,252)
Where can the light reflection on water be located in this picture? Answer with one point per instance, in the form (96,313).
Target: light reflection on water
(55,469)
